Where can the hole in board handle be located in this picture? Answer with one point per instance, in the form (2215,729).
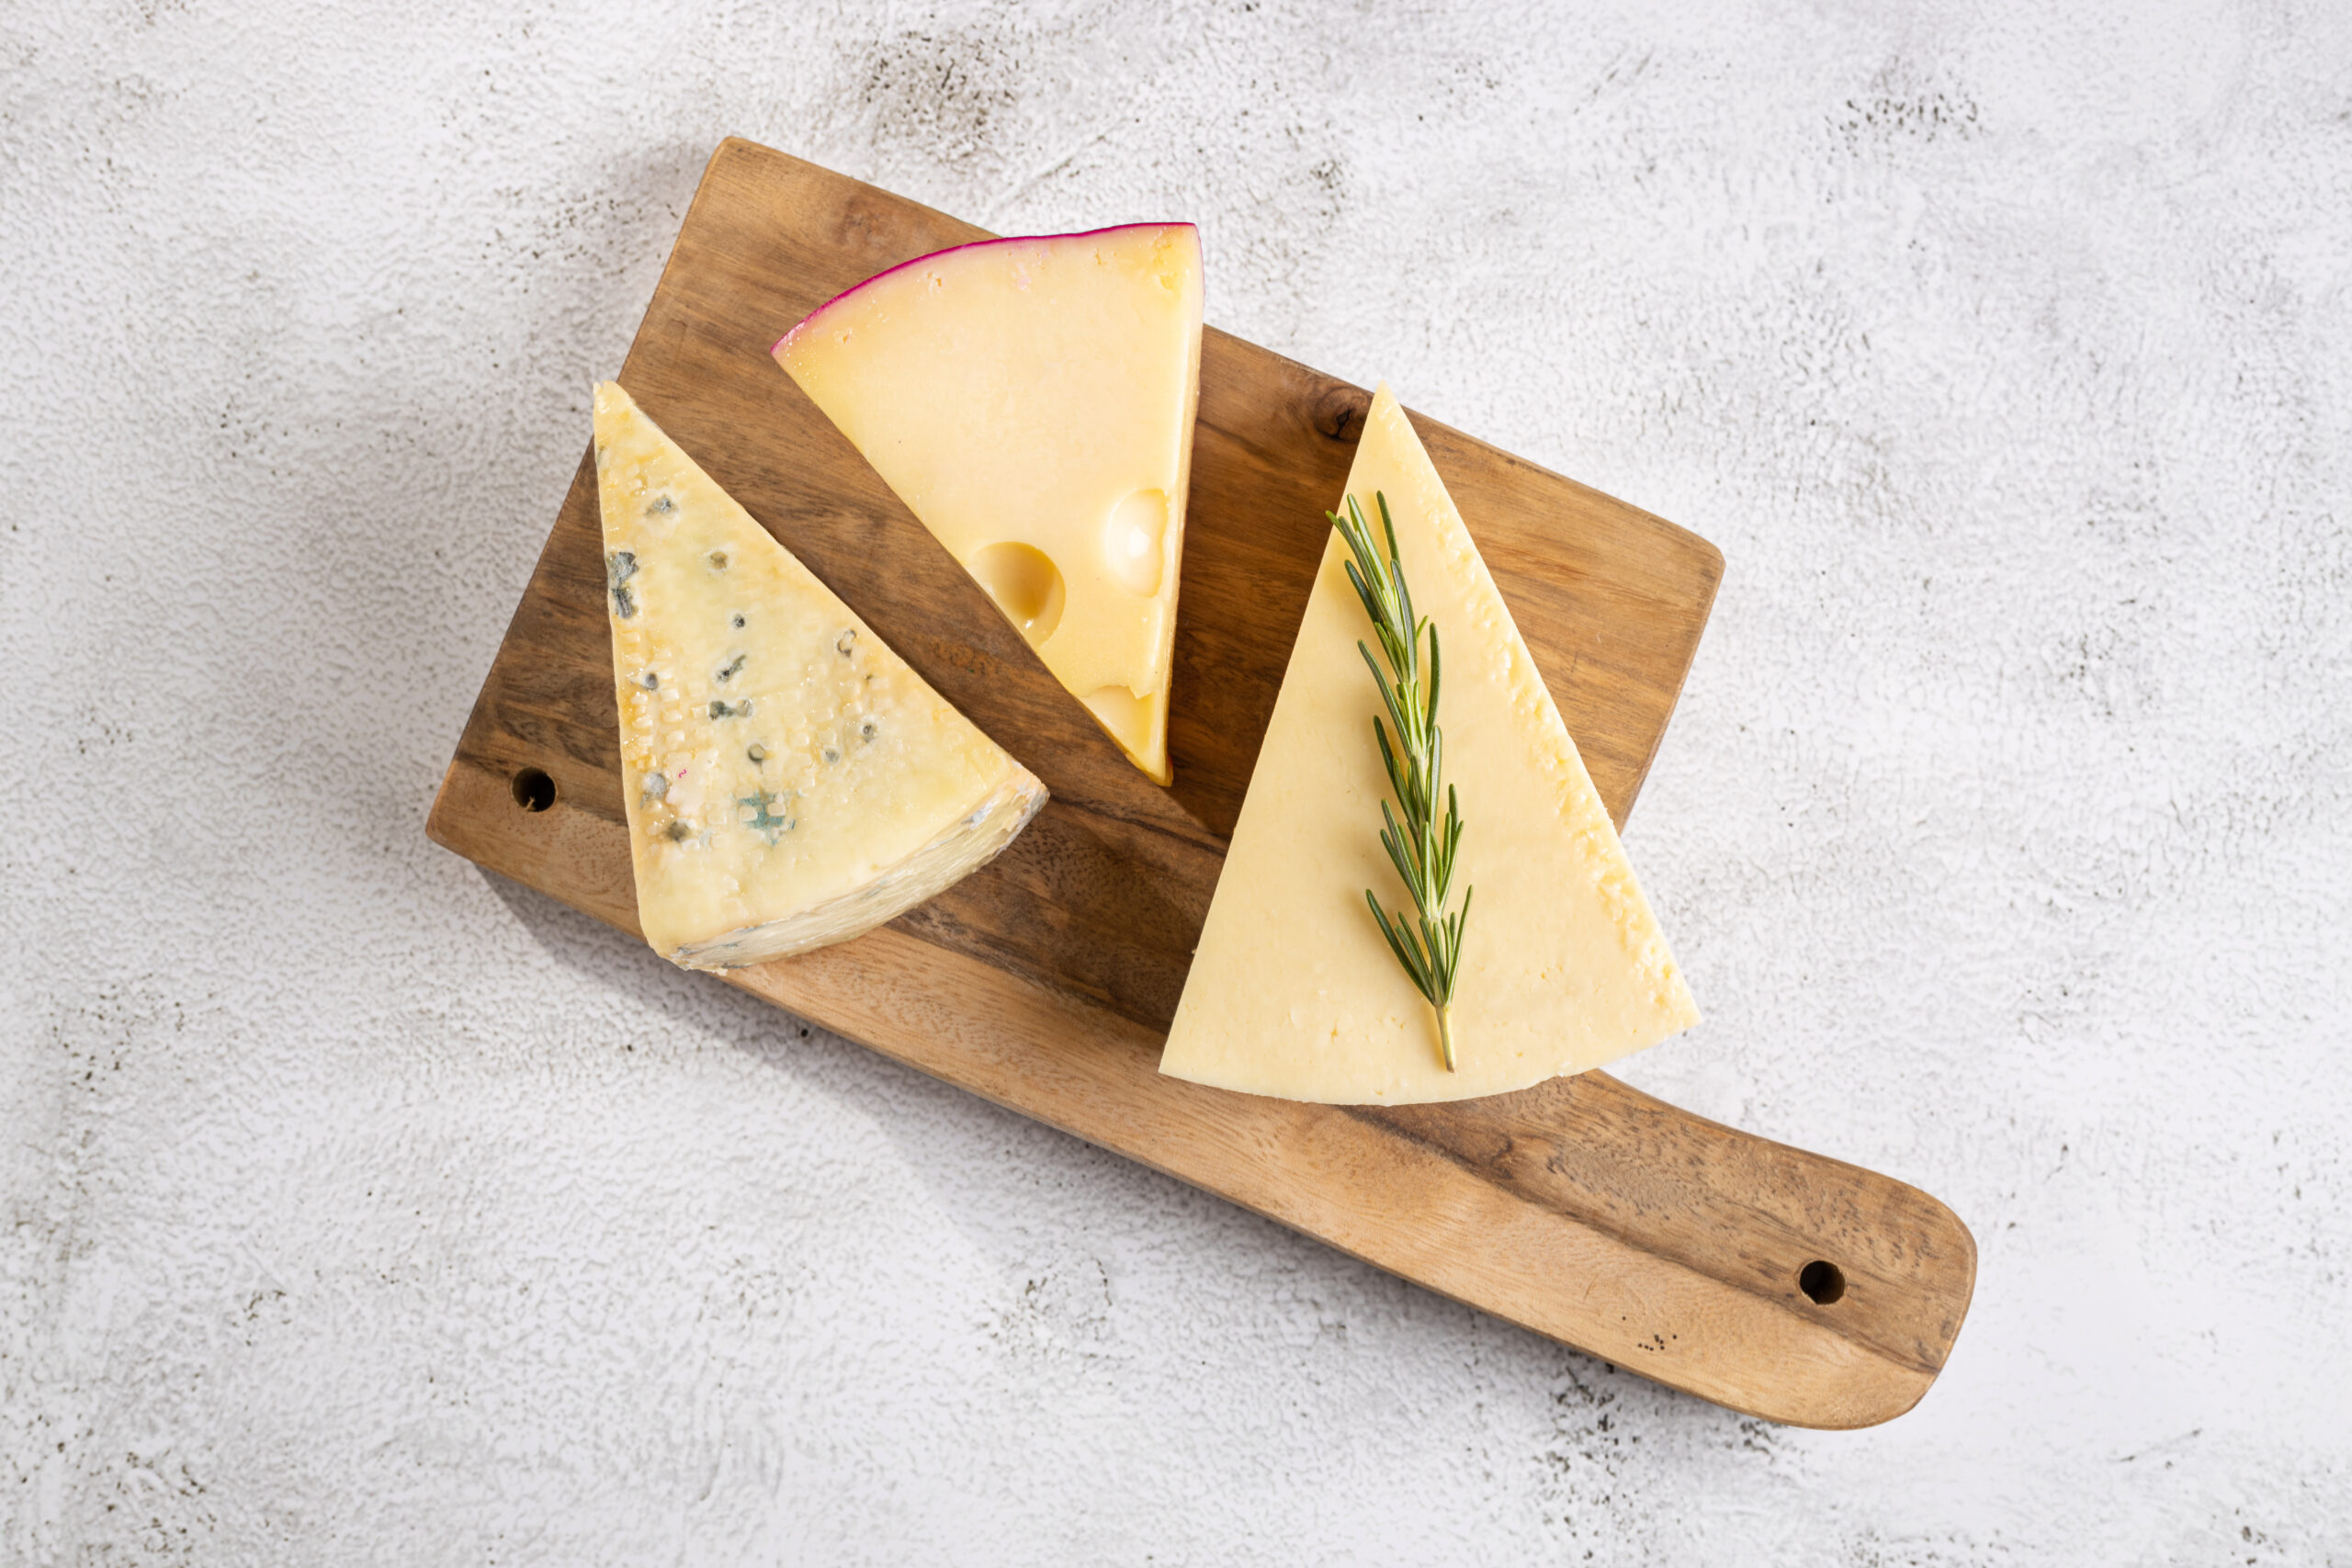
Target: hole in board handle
(534,791)
(1822,1282)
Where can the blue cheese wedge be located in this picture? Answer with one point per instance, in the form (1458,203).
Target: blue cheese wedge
(1292,991)
(790,781)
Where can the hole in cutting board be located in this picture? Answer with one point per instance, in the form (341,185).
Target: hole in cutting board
(1822,1281)
(534,791)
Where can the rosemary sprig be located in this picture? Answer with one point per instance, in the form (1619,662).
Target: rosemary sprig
(1429,941)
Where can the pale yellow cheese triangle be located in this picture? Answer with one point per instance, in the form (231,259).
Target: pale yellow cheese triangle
(789,781)
(1031,401)
(1293,992)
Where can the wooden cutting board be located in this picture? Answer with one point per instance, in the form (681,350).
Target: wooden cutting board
(1772,1280)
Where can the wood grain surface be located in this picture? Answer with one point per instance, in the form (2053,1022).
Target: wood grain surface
(1582,1209)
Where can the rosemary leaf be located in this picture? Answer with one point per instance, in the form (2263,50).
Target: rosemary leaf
(1427,942)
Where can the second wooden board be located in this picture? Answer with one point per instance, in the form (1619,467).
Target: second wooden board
(1775,1281)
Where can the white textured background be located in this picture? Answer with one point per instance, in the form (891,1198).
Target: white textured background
(361,1208)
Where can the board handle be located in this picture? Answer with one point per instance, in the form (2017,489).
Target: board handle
(1827,1294)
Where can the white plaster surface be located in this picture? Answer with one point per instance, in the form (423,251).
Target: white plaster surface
(360,1208)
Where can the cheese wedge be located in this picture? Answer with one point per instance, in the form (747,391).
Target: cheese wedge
(789,781)
(1031,401)
(1292,991)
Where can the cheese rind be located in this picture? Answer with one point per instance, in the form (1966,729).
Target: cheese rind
(1293,991)
(1031,402)
(789,781)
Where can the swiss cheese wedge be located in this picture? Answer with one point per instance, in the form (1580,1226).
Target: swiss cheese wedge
(789,781)
(1031,401)
(1293,991)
